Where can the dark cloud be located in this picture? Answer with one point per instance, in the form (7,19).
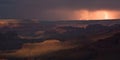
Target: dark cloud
(7,2)
(79,4)
(42,9)
(46,9)
(7,8)
(95,4)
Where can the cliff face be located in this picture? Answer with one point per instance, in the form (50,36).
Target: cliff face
(108,49)
(105,49)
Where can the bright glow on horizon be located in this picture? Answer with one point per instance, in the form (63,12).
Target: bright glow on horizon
(96,15)
(106,15)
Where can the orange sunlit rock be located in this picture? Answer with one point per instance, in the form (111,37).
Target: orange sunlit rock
(9,23)
(3,23)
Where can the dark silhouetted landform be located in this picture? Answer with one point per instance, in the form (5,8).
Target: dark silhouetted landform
(60,40)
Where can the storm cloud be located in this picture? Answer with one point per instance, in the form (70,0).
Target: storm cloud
(7,8)
(52,9)
(70,4)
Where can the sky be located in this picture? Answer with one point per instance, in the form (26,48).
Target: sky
(59,9)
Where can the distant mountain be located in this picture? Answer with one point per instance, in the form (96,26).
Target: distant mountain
(29,27)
